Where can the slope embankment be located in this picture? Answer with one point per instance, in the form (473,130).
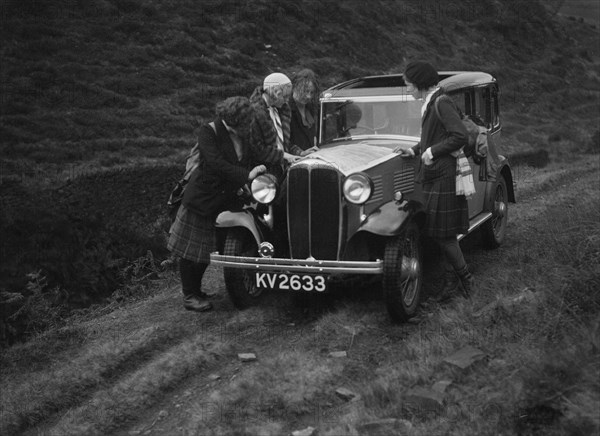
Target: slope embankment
(100,100)
(151,368)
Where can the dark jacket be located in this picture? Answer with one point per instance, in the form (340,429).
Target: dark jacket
(301,135)
(443,136)
(219,174)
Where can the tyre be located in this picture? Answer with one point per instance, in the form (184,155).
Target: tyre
(402,274)
(240,283)
(493,231)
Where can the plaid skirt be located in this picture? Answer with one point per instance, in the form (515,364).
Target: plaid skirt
(447,213)
(193,237)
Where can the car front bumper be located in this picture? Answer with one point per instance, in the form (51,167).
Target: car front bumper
(307,266)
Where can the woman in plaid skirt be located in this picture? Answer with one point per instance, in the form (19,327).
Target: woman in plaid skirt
(227,162)
(447,213)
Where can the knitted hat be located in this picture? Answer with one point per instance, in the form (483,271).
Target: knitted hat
(421,74)
(275,79)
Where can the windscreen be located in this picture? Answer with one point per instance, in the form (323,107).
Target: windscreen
(349,119)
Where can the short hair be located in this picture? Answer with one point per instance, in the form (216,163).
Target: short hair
(235,111)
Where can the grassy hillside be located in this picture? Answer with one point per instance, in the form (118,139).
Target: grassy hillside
(113,81)
(100,100)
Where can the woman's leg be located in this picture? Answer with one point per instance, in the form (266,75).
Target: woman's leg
(191,285)
(454,264)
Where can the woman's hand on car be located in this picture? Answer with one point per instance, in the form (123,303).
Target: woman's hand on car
(404,152)
(290,158)
(256,171)
(309,151)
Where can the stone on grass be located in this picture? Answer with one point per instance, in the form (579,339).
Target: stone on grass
(488,308)
(465,357)
(384,427)
(247,357)
(424,400)
(308,431)
(338,354)
(214,377)
(441,386)
(345,394)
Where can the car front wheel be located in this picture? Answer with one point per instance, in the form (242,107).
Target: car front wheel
(240,283)
(402,274)
(493,231)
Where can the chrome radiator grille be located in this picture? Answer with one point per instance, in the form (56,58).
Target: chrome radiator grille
(314,208)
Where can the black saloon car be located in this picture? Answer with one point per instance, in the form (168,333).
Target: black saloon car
(353,207)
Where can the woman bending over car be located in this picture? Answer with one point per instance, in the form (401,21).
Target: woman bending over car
(227,163)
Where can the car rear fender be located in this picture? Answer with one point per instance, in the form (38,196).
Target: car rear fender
(505,172)
(244,219)
(391,218)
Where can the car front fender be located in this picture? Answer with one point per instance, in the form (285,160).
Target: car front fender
(244,219)
(390,218)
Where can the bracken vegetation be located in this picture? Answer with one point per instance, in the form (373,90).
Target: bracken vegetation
(99,103)
(101,86)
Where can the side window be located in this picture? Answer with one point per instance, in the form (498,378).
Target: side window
(463,101)
(495,108)
(483,106)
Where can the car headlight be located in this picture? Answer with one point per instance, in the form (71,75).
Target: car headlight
(264,188)
(358,188)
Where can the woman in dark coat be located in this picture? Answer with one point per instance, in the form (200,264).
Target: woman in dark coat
(227,162)
(447,213)
(304,105)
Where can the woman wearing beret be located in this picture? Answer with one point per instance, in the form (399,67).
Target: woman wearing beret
(447,213)
(227,162)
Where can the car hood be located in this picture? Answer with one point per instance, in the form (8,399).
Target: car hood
(351,157)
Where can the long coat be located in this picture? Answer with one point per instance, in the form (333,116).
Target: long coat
(264,134)
(301,135)
(219,173)
(447,213)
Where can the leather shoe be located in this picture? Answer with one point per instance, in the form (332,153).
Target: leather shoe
(449,288)
(204,296)
(467,281)
(191,302)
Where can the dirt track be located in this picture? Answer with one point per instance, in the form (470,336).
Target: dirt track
(152,368)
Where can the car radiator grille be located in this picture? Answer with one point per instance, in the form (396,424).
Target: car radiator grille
(313,202)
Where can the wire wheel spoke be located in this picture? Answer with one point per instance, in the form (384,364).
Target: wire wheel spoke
(402,274)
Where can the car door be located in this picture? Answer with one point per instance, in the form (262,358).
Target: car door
(467,102)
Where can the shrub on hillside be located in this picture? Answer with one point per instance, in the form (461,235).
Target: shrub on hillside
(78,241)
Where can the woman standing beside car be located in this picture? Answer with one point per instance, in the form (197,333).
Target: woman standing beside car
(227,163)
(447,212)
(304,105)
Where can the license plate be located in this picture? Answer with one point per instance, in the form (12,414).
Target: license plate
(291,282)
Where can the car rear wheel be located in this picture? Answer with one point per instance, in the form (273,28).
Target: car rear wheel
(240,283)
(402,274)
(493,231)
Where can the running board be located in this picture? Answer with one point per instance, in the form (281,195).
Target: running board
(476,222)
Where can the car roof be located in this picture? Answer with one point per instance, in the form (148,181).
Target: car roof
(393,84)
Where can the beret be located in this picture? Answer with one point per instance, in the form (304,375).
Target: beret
(421,74)
(275,79)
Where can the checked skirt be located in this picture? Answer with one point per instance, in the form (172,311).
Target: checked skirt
(447,213)
(193,237)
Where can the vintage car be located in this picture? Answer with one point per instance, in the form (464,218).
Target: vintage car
(353,207)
